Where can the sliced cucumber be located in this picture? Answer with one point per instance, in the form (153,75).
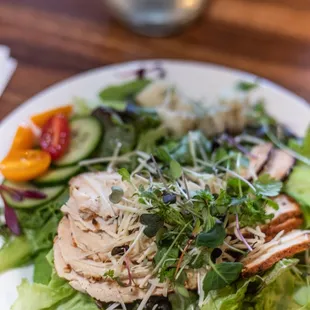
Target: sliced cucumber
(85,137)
(50,192)
(57,176)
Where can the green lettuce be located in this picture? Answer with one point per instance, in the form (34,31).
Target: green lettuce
(302,296)
(277,289)
(179,302)
(272,291)
(301,148)
(15,253)
(228,298)
(42,269)
(57,294)
(39,227)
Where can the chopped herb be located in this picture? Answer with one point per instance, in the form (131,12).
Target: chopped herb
(246,86)
(123,91)
(125,174)
(175,169)
(109,274)
(212,238)
(162,154)
(147,141)
(266,186)
(166,258)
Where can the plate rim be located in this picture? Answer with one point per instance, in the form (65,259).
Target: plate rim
(85,74)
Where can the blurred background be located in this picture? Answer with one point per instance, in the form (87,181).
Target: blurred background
(53,40)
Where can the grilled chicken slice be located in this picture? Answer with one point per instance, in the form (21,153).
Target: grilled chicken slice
(89,202)
(257,159)
(91,193)
(101,288)
(279,164)
(288,217)
(106,291)
(80,260)
(96,244)
(290,224)
(100,245)
(95,224)
(268,254)
(288,208)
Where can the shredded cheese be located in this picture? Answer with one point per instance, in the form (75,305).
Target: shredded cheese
(113,306)
(148,295)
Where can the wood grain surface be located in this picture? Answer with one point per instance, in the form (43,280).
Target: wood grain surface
(55,39)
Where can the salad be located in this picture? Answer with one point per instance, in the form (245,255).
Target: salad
(152,200)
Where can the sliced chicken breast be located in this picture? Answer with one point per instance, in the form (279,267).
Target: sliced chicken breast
(288,225)
(288,208)
(257,159)
(279,164)
(80,260)
(89,202)
(270,253)
(107,290)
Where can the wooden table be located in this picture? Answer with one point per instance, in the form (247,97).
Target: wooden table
(55,39)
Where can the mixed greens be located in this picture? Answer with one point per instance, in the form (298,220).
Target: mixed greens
(206,215)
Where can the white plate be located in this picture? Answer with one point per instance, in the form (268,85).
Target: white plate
(197,80)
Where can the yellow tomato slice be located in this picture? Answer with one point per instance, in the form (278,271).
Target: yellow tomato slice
(23,139)
(41,118)
(25,165)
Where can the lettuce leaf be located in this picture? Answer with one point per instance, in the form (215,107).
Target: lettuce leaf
(304,147)
(15,253)
(278,288)
(297,187)
(56,295)
(78,301)
(302,296)
(39,226)
(179,302)
(228,298)
(259,293)
(42,269)
(277,295)
(38,296)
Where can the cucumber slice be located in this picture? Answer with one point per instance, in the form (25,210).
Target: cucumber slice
(57,176)
(51,193)
(86,134)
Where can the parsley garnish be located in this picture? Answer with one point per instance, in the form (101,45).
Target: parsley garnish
(266,186)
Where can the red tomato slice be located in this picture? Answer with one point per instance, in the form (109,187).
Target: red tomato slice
(55,137)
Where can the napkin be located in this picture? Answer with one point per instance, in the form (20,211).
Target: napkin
(7,67)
